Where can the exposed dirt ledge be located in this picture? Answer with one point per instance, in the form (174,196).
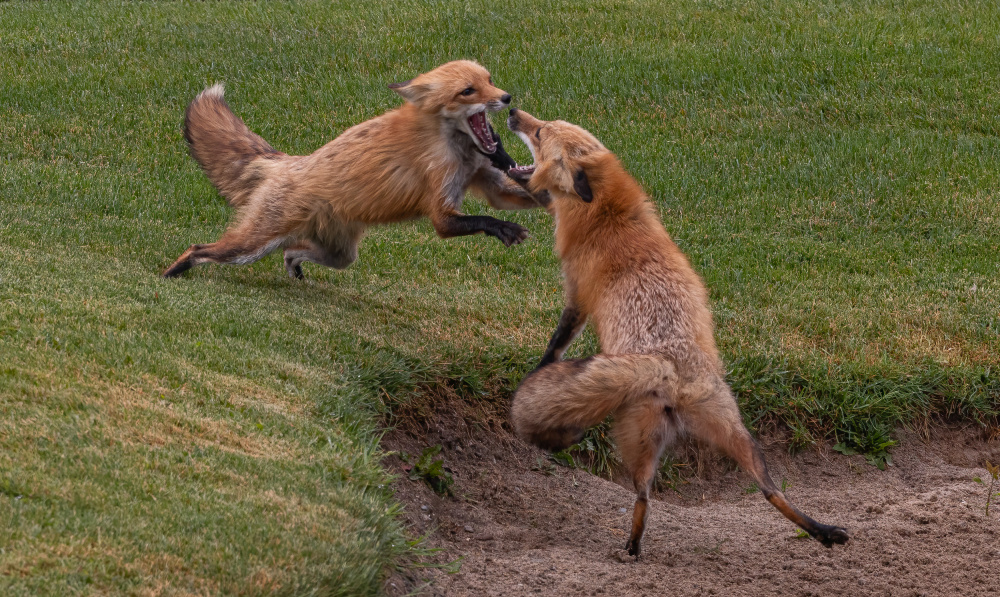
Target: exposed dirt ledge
(918,528)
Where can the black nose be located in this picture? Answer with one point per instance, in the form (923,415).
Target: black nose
(513,111)
(505,98)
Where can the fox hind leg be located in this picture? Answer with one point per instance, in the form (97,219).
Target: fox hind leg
(338,250)
(231,248)
(307,250)
(715,419)
(642,431)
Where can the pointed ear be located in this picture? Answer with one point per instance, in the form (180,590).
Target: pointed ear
(415,93)
(582,186)
(400,85)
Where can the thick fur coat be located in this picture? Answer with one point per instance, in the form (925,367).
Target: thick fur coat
(415,161)
(659,373)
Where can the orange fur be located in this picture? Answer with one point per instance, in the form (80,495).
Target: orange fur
(415,161)
(659,374)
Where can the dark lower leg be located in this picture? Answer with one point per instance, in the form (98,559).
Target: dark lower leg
(641,431)
(508,233)
(634,546)
(715,419)
(751,458)
(182,264)
(223,251)
(338,257)
(570,324)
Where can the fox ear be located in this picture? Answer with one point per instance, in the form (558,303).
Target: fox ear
(582,186)
(411,92)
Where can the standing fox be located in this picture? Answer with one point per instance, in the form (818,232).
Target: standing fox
(659,374)
(414,161)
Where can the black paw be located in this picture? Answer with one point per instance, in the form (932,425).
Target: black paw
(633,548)
(510,234)
(294,269)
(177,269)
(830,536)
(500,159)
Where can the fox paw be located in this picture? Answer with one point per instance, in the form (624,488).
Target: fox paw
(633,549)
(830,536)
(511,234)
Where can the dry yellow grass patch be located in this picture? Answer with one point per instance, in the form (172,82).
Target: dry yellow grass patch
(166,575)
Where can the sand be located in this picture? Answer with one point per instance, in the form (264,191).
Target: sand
(522,525)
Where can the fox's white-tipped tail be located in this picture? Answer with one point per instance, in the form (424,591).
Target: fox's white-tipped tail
(228,151)
(218,90)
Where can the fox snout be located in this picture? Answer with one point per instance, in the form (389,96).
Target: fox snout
(520,121)
(512,119)
(516,123)
(495,105)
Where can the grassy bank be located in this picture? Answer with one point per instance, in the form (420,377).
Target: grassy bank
(830,168)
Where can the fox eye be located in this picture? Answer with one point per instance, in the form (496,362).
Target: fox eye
(468,91)
(490,80)
(538,134)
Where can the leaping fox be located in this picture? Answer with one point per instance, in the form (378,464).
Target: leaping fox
(415,161)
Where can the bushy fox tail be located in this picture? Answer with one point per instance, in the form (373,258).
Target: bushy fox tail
(226,149)
(554,405)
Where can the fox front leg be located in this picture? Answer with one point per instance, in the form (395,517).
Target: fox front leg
(570,325)
(500,159)
(455,224)
(501,192)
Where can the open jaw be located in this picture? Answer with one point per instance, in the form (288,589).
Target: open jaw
(481,131)
(523,173)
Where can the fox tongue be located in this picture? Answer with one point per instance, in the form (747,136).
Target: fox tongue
(477,122)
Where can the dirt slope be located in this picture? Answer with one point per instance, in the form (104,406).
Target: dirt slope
(524,527)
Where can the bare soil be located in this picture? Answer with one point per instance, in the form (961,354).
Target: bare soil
(521,525)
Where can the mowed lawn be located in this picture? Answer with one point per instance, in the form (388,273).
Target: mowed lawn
(831,169)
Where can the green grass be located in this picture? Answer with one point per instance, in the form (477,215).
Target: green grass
(829,167)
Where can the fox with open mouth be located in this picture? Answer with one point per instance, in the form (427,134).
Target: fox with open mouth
(415,161)
(659,374)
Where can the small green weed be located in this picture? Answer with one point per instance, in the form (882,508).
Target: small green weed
(432,471)
(595,452)
(802,437)
(715,549)
(547,465)
(873,442)
(418,556)
(671,473)
(994,470)
(564,458)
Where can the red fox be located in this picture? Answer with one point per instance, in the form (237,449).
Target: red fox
(659,373)
(415,161)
